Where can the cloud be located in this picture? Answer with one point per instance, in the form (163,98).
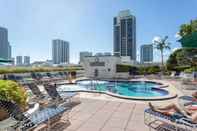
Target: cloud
(177,35)
(174,49)
(156,38)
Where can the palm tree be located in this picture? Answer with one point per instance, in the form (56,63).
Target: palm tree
(161,44)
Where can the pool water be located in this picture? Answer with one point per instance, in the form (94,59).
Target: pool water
(130,89)
(136,89)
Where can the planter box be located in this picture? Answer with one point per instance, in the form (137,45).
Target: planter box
(3,114)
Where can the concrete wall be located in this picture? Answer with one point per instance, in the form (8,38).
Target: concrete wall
(105,66)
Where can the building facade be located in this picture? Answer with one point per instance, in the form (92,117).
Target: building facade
(60,51)
(13,61)
(9,52)
(146,53)
(101,66)
(26,60)
(124,28)
(19,60)
(4,44)
(84,54)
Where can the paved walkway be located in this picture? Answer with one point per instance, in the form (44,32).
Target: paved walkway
(103,115)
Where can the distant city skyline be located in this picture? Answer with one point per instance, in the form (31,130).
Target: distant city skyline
(87,24)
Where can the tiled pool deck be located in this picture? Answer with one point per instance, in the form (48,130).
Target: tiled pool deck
(103,115)
(100,112)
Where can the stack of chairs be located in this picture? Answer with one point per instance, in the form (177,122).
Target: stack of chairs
(58,103)
(14,112)
(27,122)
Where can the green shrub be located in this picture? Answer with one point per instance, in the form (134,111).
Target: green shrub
(138,70)
(153,69)
(122,68)
(11,91)
(182,58)
(36,69)
(190,70)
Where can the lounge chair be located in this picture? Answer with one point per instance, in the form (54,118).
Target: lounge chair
(60,97)
(54,77)
(27,122)
(161,122)
(14,111)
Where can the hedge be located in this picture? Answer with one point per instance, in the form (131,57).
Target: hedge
(138,70)
(5,70)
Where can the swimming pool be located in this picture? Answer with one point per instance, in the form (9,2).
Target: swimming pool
(136,89)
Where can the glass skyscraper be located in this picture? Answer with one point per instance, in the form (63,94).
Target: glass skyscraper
(19,60)
(124,26)
(146,53)
(27,60)
(5,48)
(60,51)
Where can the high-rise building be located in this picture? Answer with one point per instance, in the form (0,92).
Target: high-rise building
(19,60)
(84,54)
(4,44)
(146,53)
(124,28)
(9,52)
(26,60)
(60,51)
(13,61)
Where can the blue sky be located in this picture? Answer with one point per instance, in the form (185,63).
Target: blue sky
(87,24)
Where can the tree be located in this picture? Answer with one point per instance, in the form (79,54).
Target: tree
(161,44)
(182,58)
(187,29)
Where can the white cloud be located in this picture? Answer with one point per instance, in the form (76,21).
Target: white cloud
(156,38)
(174,49)
(177,35)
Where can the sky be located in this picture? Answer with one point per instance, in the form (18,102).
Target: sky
(88,24)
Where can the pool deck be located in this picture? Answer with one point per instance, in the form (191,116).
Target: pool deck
(101,112)
(104,115)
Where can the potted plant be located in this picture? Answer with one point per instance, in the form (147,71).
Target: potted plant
(11,91)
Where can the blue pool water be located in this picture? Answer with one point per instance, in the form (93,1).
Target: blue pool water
(131,89)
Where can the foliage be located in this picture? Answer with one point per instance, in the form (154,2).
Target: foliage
(123,68)
(161,45)
(35,69)
(190,70)
(153,69)
(11,91)
(182,59)
(138,70)
(149,70)
(187,29)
